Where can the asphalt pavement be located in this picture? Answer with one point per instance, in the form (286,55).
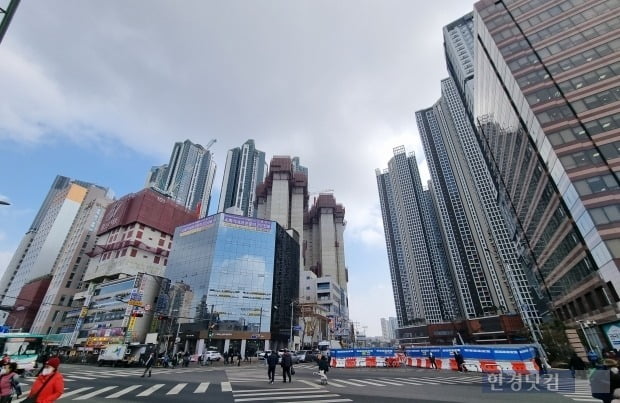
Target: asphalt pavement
(249,383)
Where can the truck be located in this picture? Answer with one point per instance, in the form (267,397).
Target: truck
(120,355)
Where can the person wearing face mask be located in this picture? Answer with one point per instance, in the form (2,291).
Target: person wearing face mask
(9,383)
(49,385)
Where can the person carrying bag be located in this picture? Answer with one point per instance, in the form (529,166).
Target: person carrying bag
(49,385)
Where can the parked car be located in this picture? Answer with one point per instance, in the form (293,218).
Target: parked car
(294,357)
(212,356)
(262,354)
(306,356)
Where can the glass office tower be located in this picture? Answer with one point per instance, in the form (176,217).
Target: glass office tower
(547,103)
(238,276)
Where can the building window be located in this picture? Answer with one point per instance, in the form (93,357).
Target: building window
(612,291)
(156,259)
(139,235)
(133,253)
(161,242)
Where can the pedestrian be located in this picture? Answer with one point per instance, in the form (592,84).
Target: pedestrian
(460,362)
(49,385)
(576,364)
(225,354)
(239,358)
(9,383)
(542,370)
(323,369)
(287,363)
(592,358)
(272,361)
(148,364)
(431,358)
(5,360)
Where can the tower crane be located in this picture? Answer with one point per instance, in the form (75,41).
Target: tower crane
(210,143)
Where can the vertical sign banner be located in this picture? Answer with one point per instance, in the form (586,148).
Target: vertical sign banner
(612,331)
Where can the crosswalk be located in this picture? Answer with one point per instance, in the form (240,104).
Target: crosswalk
(293,395)
(115,391)
(91,374)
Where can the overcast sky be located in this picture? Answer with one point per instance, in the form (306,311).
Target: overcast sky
(100,91)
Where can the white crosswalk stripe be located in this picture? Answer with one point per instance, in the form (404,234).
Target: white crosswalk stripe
(176,389)
(150,390)
(312,394)
(202,387)
(95,393)
(123,392)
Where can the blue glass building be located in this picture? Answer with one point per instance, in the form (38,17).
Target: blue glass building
(233,280)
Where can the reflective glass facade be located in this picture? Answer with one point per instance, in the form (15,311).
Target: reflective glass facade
(547,104)
(239,275)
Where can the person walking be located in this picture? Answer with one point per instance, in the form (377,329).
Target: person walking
(49,385)
(593,358)
(239,358)
(576,364)
(287,363)
(272,361)
(431,358)
(148,364)
(9,383)
(323,369)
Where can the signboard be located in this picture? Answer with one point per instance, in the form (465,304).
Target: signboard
(362,352)
(247,223)
(197,226)
(612,331)
(296,327)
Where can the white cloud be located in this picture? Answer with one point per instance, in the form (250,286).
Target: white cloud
(335,83)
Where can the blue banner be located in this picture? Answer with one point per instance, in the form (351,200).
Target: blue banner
(499,353)
(362,352)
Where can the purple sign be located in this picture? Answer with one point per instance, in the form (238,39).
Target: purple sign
(247,223)
(197,226)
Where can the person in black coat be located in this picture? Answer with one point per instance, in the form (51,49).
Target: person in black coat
(576,364)
(287,363)
(272,361)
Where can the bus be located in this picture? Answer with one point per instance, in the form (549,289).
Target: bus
(22,348)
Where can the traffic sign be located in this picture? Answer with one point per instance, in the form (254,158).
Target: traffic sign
(296,327)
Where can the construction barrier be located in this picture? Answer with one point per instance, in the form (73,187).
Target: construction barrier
(513,359)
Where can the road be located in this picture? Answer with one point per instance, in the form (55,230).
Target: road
(248,383)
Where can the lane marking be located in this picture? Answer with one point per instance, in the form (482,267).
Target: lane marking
(176,389)
(150,390)
(202,387)
(123,391)
(95,393)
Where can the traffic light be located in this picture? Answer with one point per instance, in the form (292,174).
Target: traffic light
(210,333)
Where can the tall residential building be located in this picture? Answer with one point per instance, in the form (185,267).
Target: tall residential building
(126,268)
(388,328)
(156,177)
(459,47)
(70,266)
(283,196)
(67,201)
(547,103)
(489,277)
(422,282)
(245,169)
(187,178)
(324,239)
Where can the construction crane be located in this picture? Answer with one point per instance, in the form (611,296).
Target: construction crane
(210,143)
(7,14)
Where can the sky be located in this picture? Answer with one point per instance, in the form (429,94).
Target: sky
(101,93)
